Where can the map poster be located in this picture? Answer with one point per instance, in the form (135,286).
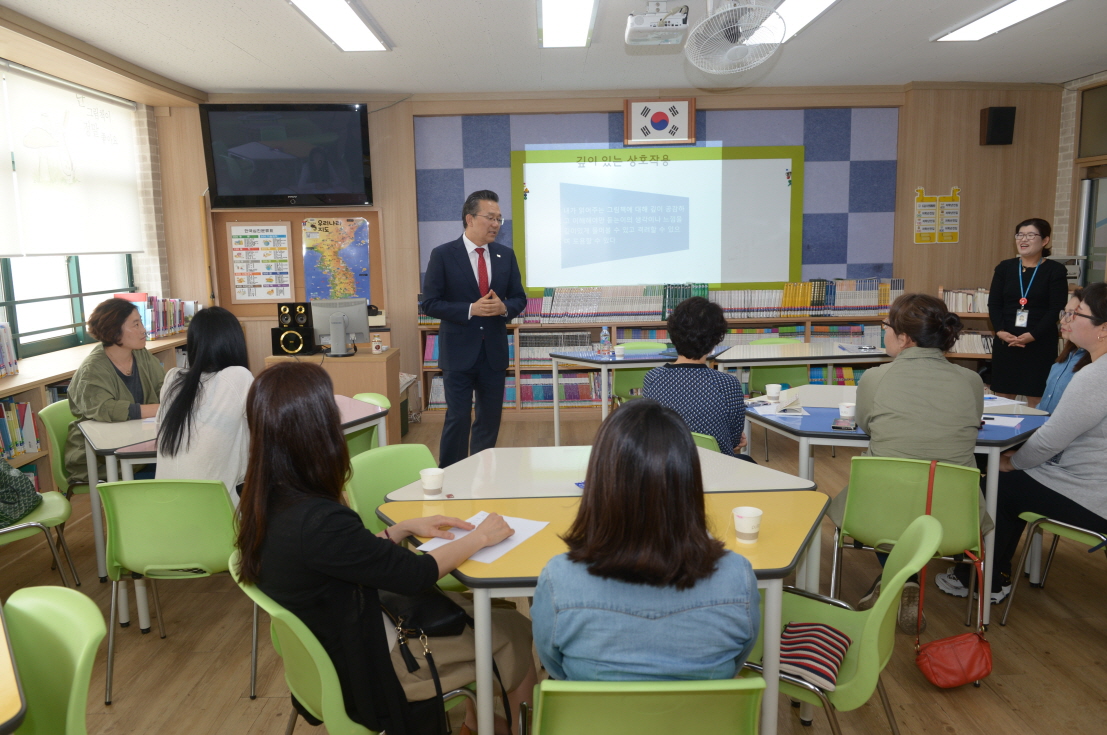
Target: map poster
(336,258)
(261,262)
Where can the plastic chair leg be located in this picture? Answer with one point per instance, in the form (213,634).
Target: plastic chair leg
(836,566)
(254,656)
(1031,534)
(111,640)
(1049,560)
(157,607)
(887,705)
(68,556)
(974,584)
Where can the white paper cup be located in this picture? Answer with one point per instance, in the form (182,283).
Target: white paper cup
(432,478)
(620,351)
(772,390)
(747,524)
(847,410)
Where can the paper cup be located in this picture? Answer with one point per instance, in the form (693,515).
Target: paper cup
(747,524)
(772,390)
(432,478)
(620,351)
(847,410)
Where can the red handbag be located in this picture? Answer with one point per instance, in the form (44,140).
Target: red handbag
(960,659)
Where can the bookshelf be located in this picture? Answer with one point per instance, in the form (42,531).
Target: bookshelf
(37,373)
(517,370)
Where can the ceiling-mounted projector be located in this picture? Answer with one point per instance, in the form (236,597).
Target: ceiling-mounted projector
(657,27)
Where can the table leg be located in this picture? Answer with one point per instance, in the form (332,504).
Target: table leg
(1034,560)
(806,464)
(774,597)
(382,431)
(143,605)
(124,604)
(140,593)
(605,395)
(94,509)
(557,405)
(814,562)
(991,494)
(482,643)
(127,470)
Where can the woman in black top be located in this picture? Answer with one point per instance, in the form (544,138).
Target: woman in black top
(304,548)
(1027,294)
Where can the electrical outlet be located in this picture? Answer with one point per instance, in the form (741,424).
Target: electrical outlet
(656,7)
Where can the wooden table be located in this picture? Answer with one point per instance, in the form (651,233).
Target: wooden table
(790,523)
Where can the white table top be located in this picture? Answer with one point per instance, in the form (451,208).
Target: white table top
(801,353)
(544,472)
(105,437)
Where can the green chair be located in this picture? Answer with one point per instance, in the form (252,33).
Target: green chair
(887,494)
(706,441)
(719,707)
(790,375)
(379,471)
(1037,524)
(626,383)
(52,512)
(54,634)
(308,670)
(56,419)
(872,631)
(166,529)
(365,439)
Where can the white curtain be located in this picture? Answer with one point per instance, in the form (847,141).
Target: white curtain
(9,223)
(76,169)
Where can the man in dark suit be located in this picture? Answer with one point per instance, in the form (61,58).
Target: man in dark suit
(473,285)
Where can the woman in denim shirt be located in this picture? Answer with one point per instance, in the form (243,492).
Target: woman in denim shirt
(1071,359)
(644,592)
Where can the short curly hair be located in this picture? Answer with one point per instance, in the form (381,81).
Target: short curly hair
(106,322)
(696,326)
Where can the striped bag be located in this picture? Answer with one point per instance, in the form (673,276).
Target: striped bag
(814,652)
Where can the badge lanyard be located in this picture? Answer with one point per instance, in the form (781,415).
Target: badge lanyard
(1022,315)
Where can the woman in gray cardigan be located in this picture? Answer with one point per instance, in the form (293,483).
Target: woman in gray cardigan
(1059,472)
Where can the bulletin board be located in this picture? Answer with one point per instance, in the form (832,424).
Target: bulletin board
(223,219)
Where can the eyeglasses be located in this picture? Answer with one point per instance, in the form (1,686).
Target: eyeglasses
(1067,315)
(497,220)
(886,325)
(1027,235)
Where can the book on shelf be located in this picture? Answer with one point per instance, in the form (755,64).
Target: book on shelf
(17,429)
(161,317)
(973,343)
(965,300)
(9,365)
(436,396)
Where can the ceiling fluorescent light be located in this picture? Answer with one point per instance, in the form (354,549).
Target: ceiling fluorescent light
(798,13)
(563,23)
(342,23)
(997,20)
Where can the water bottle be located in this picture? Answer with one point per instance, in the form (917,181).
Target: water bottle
(605,341)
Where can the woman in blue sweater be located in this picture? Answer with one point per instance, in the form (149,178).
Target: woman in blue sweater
(644,592)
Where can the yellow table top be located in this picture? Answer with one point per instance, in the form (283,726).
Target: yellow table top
(11,697)
(790,517)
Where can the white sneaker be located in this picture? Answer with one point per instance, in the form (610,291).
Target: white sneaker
(998,597)
(950,584)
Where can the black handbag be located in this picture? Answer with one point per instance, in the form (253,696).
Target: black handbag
(425,615)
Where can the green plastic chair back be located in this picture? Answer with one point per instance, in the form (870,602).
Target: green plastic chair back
(705,441)
(365,439)
(380,471)
(308,670)
(887,494)
(791,375)
(872,631)
(725,706)
(56,419)
(167,529)
(627,379)
(54,633)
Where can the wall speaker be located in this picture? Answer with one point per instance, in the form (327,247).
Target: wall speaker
(997,125)
(293,340)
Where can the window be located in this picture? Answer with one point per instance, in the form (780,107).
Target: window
(47,299)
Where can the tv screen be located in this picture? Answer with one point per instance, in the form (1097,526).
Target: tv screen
(286,155)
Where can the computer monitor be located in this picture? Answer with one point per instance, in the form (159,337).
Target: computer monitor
(356,324)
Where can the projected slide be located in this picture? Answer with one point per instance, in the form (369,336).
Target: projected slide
(627,217)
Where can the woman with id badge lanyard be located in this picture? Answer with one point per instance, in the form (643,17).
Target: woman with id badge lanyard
(1027,293)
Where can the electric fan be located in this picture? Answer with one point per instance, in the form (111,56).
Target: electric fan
(736,36)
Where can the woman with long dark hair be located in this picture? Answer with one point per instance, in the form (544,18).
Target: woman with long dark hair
(304,548)
(202,432)
(1027,293)
(645,591)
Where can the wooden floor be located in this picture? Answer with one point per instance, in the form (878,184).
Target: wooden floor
(1050,671)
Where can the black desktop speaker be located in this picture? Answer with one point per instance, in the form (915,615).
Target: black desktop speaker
(997,125)
(296,334)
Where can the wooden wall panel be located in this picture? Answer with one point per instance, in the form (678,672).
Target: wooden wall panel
(939,148)
(184,180)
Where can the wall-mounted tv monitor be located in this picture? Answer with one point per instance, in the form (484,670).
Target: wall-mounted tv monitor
(286,155)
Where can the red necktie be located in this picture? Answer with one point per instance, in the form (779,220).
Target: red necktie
(482,272)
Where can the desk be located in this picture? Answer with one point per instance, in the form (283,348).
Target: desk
(12,704)
(546,472)
(798,353)
(815,430)
(789,525)
(606,363)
